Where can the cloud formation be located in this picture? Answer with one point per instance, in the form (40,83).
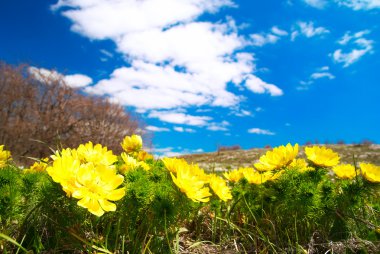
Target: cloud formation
(74,80)
(319,4)
(261,131)
(261,39)
(307,29)
(320,73)
(174,60)
(357,46)
(353,4)
(156,129)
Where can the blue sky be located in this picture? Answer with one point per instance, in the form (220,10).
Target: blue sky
(203,73)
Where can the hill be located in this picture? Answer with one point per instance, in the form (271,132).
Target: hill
(230,159)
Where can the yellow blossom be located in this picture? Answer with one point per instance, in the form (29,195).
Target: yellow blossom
(191,185)
(234,175)
(143,155)
(132,144)
(274,175)
(322,156)
(130,163)
(144,165)
(4,156)
(345,171)
(370,172)
(96,187)
(301,165)
(87,174)
(64,170)
(277,158)
(38,166)
(220,188)
(255,177)
(199,172)
(173,164)
(95,154)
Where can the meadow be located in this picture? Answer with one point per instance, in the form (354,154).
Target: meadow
(288,199)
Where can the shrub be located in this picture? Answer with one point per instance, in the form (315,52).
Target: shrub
(43,112)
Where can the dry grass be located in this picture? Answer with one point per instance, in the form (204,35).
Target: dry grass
(224,160)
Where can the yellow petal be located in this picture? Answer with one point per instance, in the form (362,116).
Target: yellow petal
(106,205)
(116,194)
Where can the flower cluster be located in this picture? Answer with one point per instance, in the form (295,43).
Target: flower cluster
(88,174)
(38,166)
(271,165)
(370,172)
(5,156)
(133,156)
(191,180)
(322,156)
(280,157)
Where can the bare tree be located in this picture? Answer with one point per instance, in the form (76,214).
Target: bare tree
(45,109)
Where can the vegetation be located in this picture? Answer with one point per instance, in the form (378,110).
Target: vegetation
(37,107)
(228,159)
(90,200)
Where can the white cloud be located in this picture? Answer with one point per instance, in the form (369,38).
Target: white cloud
(257,85)
(174,152)
(260,131)
(261,39)
(319,75)
(243,113)
(307,29)
(359,46)
(181,129)
(320,4)
(78,80)
(218,126)
(165,152)
(277,31)
(322,72)
(106,53)
(45,75)
(174,60)
(180,118)
(353,4)
(156,129)
(360,4)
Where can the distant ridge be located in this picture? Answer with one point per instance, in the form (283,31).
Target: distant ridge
(230,159)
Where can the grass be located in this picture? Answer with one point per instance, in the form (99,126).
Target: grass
(298,212)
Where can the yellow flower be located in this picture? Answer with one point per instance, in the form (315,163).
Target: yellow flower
(277,158)
(132,144)
(301,165)
(322,156)
(130,163)
(370,172)
(96,187)
(220,188)
(234,175)
(64,170)
(199,172)
(173,164)
(87,174)
(274,176)
(95,154)
(38,166)
(345,171)
(255,177)
(191,185)
(4,156)
(144,165)
(143,155)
